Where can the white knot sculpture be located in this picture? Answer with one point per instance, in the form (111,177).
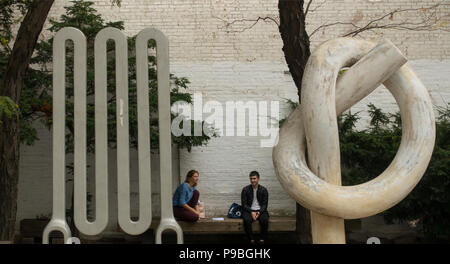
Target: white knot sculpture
(314,180)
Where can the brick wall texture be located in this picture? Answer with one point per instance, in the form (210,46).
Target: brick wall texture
(230,56)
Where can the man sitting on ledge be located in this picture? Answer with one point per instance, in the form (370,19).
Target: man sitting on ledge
(185,199)
(255,199)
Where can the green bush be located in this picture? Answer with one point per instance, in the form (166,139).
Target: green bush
(8,108)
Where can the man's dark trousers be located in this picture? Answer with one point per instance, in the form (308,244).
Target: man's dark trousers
(263,221)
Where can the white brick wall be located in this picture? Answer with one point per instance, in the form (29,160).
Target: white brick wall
(198,31)
(226,60)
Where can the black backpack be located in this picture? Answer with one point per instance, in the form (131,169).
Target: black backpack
(235,211)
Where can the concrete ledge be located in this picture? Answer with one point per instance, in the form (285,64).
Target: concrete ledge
(208,226)
(30,228)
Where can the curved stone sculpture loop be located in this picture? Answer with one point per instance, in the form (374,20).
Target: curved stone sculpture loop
(58,221)
(313,125)
(165,139)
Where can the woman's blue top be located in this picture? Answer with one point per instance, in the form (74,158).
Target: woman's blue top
(182,195)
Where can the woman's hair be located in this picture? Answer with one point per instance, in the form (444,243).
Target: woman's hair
(189,175)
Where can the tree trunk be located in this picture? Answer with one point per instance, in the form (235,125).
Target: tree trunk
(296,51)
(21,54)
(303,225)
(295,38)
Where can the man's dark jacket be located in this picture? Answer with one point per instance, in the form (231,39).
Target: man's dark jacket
(262,195)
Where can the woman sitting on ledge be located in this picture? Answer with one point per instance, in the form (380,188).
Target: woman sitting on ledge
(185,199)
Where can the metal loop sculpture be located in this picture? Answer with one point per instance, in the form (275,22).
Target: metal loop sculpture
(314,179)
(58,221)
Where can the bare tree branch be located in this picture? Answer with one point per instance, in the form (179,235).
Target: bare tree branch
(255,21)
(307,7)
(313,10)
(428,23)
(332,24)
